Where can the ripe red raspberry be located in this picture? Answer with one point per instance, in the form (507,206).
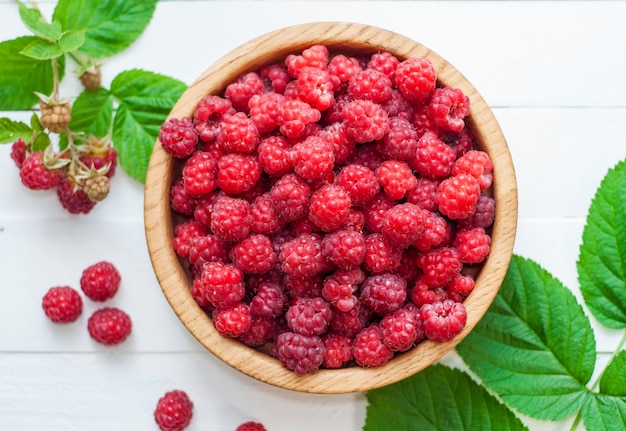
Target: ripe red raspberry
(301,354)
(457,196)
(416,78)
(178,137)
(62,304)
(206,248)
(238,134)
(313,158)
(313,86)
(443,320)
(340,287)
(338,350)
(100,281)
(233,320)
(183,233)
(237,173)
(101,156)
(72,198)
(314,56)
(396,178)
(173,411)
(368,348)
(433,158)
(19,151)
(301,286)
(401,141)
(329,208)
(473,244)
(204,205)
(383,293)
(350,322)
(360,183)
(421,120)
(370,84)
(398,106)
(109,326)
(374,212)
(265,219)
(199,173)
(424,194)
(384,62)
(181,201)
(439,265)
(269,301)
(408,268)
(437,231)
(309,316)
(477,164)
(422,293)
(260,331)
(231,219)
(208,115)
(276,77)
(401,329)
(448,108)
(342,144)
(264,111)
(461,285)
(254,254)
(302,256)
(221,284)
(242,89)
(36,176)
(365,121)
(295,116)
(290,196)
(461,142)
(273,154)
(367,155)
(342,68)
(344,248)
(403,224)
(251,426)
(380,254)
(484,215)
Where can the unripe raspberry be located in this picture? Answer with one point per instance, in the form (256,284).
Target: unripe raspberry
(97,187)
(91,78)
(55,116)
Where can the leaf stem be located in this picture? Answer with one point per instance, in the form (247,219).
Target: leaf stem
(577,420)
(55,77)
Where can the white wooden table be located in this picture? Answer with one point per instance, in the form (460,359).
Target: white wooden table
(555,75)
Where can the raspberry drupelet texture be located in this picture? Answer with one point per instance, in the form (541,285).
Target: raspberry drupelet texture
(242,89)
(313,158)
(260,331)
(422,293)
(300,286)
(424,194)
(221,284)
(439,265)
(265,218)
(368,348)
(109,326)
(254,254)
(207,248)
(477,164)
(238,134)
(433,158)
(290,197)
(384,62)
(233,320)
(273,153)
(383,293)
(403,224)
(374,212)
(314,86)
(339,294)
(365,121)
(314,56)
(437,231)
(473,244)
(100,281)
(350,322)
(204,206)
(461,285)
(276,77)
(400,142)
(251,426)
(300,353)
(341,68)
(237,173)
(309,316)
(73,198)
(208,115)
(416,78)
(178,137)
(448,108)
(269,301)
(338,350)
(62,304)
(294,116)
(173,411)
(199,173)
(329,207)
(359,182)
(483,216)
(231,219)
(344,248)
(19,151)
(264,111)
(457,196)
(35,175)
(370,84)
(443,320)
(401,329)
(302,256)
(380,254)
(181,201)
(396,178)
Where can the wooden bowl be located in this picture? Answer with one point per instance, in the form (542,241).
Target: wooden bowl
(175,281)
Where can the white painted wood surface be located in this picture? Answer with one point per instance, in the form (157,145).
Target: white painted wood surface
(555,75)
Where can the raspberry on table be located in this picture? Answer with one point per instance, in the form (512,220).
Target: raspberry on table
(221,284)
(443,320)
(400,142)
(109,326)
(251,426)
(208,115)
(301,354)
(370,84)
(200,173)
(269,301)
(233,320)
(62,304)
(254,254)
(72,198)
(309,316)
(416,78)
(273,153)
(173,411)
(383,293)
(365,121)
(290,196)
(403,224)
(237,173)
(396,178)
(344,248)
(338,350)
(329,207)
(35,175)
(360,183)
(401,329)
(368,348)
(439,265)
(313,158)
(448,108)
(433,158)
(178,137)
(457,196)
(302,256)
(473,244)
(100,281)
(380,254)
(231,219)
(19,150)
(242,89)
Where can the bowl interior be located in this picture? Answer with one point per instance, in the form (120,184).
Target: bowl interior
(344,38)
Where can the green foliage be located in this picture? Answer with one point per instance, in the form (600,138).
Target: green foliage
(11,131)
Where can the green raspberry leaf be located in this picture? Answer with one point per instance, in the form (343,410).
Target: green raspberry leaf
(602,259)
(92,113)
(613,380)
(41,142)
(437,398)
(604,413)
(42,49)
(110,25)
(34,20)
(72,40)
(35,123)
(535,346)
(11,131)
(145,99)
(21,76)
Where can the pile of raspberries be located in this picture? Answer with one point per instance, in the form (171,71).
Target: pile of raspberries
(332,209)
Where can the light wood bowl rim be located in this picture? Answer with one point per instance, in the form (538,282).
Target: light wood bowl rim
(174,282)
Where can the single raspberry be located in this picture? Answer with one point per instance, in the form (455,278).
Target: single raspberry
(264,111)
(238,173)
(344,248)
(260,331)
(416,78)
(443,320)
(173,411)
(368,348)
(251,426)
(457,196)
(101,155)
(62,304)
(178,137)
(461,142)
(365,121)
(314,56)
(208,115)
(301,354)
(19,151)
(342,68)
(421,120)
(477,164)
(380,254)
(333,114)
(100,281)
(233,320)
(55,116)
(342,144)
(329,207)
(448,108)
(273,153)
(396,178)
(341,292)
(290,196)
(231,219)
(109,326)
(302,256)
(301,286)
(433,158)
(313,158)
(374,212)
(294,117)
(265,219)
(221,284)
(35,175)
(384,62)
(360,183)
(422,293)
(401,329)
(206,248)
(437,231)
(277,76)
(483,216)
(439,265)
(97,187)
(314,86)
(473,244)
(367,155)
(254,254)
(403,224)
(461,285)
(309,316)
(401,141)
(424,194)
(338,350)
(242,89)
(72,198)
(269,301)
(199,173)
(238,134)
(370,84)
(350,322)
(383,293)
(398,106)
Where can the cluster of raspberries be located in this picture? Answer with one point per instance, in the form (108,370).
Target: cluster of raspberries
(332,208)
